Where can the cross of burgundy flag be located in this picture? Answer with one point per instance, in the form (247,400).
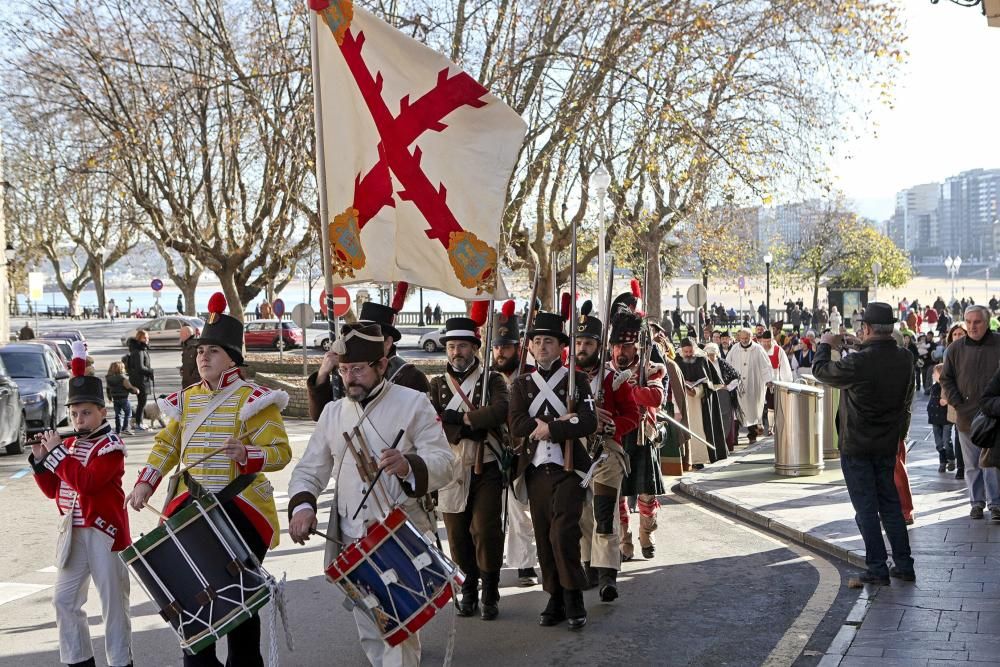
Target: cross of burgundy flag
(417,154)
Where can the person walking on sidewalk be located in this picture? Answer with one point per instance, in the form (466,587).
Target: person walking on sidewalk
(876,386)
(969,366)
(937,417)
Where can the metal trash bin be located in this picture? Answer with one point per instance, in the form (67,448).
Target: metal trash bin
(798,429)
(831,401)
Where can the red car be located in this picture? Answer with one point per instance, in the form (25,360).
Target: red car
(265,333)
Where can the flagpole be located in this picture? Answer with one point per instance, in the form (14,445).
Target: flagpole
(324,205)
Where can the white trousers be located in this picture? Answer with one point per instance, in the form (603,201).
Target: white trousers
(91,557)
(380,654)
(521,551)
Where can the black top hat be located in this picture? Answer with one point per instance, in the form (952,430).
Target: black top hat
(548,324)
(384,316)
(360,342)
(461,328)
(222,330)
(877,312)
(86,389)
(625,325)
(508,331)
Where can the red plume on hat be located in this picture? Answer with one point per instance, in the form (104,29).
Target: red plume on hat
(480,312)
(565,305)
(216,306)
(400,296)
(507,309)
(635,287)
(78,365)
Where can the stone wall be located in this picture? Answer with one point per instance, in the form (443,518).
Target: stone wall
(298,399)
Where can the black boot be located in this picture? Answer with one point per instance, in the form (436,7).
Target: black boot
(554,612)
(608,583)
(470,597)
(89,662)
(576,613)
(491,596)
(591,573)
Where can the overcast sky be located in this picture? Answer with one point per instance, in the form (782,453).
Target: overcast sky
(947,113)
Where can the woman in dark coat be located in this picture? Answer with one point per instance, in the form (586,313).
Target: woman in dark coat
(140,372)
(727,400)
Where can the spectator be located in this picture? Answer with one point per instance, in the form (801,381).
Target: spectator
(876,386)
(795,317)
(119,389)
(762,313)
(189,357)
(930,318)
(911,347)
(835,319)
(140,372)
(969,366)
(428,313)
(26,333)
(678,323)
(437,314)
(937,417)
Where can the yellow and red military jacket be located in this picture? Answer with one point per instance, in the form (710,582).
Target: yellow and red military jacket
(253,415)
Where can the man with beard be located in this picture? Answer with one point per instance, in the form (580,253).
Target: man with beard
(420,463)
(618,416)
(754,367)
(471,504)
(540,414)
(643,479)
(725,343)
(704,412)
(521,552)
(323,390)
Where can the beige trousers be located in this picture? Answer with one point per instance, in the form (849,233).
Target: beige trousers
(598,545)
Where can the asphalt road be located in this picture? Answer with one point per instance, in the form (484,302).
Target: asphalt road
(717,592)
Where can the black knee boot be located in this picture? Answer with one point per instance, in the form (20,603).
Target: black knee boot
(491,596)
(470,597)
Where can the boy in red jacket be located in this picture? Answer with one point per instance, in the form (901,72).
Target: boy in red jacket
(84,476)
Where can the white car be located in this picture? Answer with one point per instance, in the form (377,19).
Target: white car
(322,341)
(166,331)
(431,341)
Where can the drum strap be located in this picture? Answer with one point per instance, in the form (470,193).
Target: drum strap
(229,492)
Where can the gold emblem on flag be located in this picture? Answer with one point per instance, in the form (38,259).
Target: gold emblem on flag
(346,253)
(338,16)
(473,261)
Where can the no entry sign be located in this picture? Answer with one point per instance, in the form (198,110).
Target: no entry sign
(341,301)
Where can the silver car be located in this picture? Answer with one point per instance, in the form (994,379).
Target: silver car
(166,331)
(42,381)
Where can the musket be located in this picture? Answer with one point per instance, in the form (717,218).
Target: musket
(645,345)
(571,393)
(529,321)
(484,396)
(602,358)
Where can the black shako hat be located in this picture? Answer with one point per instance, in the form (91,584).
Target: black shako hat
(384,316)
(461,328)
(222,330)
(877,312)
(508,330)
(588,326)
(359,342)
(625,325)
(548,324)
(86,389)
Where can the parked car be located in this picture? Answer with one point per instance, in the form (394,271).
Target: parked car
(264,333)
(165,331)
(43,383)
(13,421)
(431,341)
(62,347)
(68,334)
(322,341)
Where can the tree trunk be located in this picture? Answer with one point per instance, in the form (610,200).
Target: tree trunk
(654,278)
(188,289)
(73,299)
(97,277)
(816,293)
(227,280)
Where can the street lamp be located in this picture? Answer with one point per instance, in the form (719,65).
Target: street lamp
(952,265)
(876,269)
(600,180)
(768,258)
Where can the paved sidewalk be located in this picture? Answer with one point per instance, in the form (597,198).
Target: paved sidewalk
(950,616)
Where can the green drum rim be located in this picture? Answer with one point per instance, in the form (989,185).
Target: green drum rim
(175,522)
(206,639)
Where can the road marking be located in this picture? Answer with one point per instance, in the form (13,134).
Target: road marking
(10,591)
(20,473)
(48,570)
(794,641)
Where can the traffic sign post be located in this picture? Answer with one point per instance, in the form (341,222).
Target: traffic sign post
(303,315)
(697,296)
(279,311)
(741,285)
(156,285)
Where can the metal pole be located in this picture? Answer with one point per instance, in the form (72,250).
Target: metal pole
(601,259)
(305,340)
(555,283)
(324,207)
(421,315)
(767,290)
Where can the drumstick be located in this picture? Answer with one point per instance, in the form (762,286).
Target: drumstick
(326,537)
(399,436)
(184,469)
(155,511)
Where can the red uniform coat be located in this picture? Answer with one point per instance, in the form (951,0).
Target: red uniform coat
(98,483)
(620,403)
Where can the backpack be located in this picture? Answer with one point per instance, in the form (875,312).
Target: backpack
(127,361)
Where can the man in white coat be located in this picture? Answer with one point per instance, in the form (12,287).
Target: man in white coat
(421,463)
(750,361)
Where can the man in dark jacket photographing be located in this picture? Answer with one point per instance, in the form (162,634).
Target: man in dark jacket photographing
(876,386)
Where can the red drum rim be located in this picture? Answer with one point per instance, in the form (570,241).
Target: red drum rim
(419,619)
(353,554)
